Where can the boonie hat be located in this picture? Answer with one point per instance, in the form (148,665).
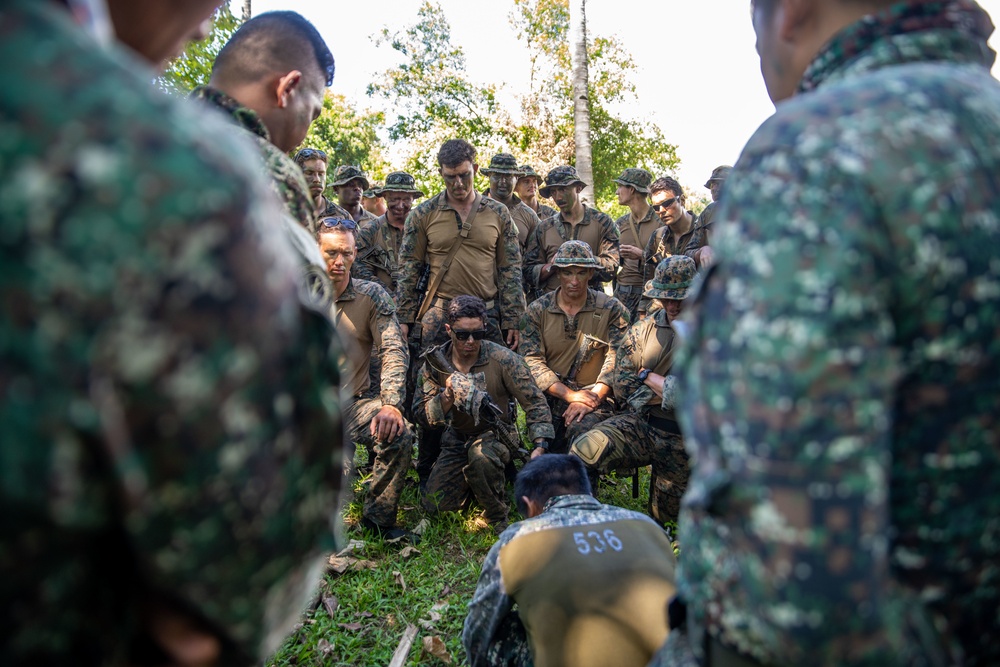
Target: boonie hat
(502,163)
(400,181)
(636,178)
(560,176)
(528,172)
(672,279)
(348,172)
(719,174)
(575,253)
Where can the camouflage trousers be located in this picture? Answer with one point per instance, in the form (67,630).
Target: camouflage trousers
(567,434)
(633,300)
(509,646)
(392,460)
(629,441)
(469,465)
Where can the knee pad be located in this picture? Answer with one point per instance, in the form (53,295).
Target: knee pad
(590,446)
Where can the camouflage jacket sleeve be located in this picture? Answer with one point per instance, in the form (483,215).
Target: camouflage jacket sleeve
(510,291)
(362,268)
(412,251)
(489,607)
(625,377)
(618,327)
(654,248)
(608,256)
(388,338)
(534,260)
(520,384)
(698,240)
(531,344)
(427,399)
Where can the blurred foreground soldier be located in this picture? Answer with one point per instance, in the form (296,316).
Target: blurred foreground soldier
(841,404)
(379,241)
(314,163)
(569,339)
(636,227)
(349,182)
(527,189)
(680,234)
(168,414)
(373,201)
(648,434)
(270,78)
(714,185)
(466,385)
(366,317)
(503,173)
(590,582)
(576,221)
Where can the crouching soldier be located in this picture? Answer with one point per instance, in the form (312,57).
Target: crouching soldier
(466,385)
(648,433)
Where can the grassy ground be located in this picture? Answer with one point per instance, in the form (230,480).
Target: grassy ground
(363,613)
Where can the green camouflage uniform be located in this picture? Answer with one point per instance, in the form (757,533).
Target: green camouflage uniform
(841,386)
(633,274)
(168,410)
(345,173)
(472,459)
(665,243)
(554,231)
(366,315)
(591,584)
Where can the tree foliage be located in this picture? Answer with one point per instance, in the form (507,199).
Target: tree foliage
(348,136)
(193,68)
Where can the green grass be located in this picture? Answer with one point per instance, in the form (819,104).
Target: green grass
(373,610)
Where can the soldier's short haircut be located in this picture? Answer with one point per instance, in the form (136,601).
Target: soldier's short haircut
(548,476)
(768,5)
(466,306)
(668,184)
(454,152)
(273,42)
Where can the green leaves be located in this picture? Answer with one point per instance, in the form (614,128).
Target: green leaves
(193,68)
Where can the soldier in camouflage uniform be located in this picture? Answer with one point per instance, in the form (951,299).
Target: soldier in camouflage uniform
(714,185)
(636,227)
(503,173)
(349,182)
(590,581)
(576,221)
(450,394)
(366,317)
(841,384)
(648,434)
(681,233)
(167,406)
(314,164)
(569,339)
(373,201)
(527,189)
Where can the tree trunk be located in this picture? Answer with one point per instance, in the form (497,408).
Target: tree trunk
(247,11)
(581,96)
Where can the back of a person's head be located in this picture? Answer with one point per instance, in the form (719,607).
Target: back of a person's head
(549,476)
(270,43)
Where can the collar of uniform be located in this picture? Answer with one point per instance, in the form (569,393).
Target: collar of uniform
(576,500)
(952,30)
(660,319)
(588,215)
(443,201)
(590,304)
(694,226)
(246,118)
(349,294)
(650,215)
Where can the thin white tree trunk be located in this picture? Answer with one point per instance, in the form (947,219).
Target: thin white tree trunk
(247,10)
(581,96)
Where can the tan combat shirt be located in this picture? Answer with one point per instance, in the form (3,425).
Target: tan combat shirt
(636,272)
(596,229)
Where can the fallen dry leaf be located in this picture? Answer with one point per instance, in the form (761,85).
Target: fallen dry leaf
(441,606)
(421,527)
(350,626)
(325,647)
(331,603)
(398,576)
(409,552)
(426,625)
(352,547)
(365,565)
(340,564)
(366,614)
(436,648)
(447,591)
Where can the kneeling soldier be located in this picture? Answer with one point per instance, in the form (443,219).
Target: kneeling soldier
(648,434)
(366,315)
(466,384)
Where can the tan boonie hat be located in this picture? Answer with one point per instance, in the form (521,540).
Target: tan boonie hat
(348,172)
(636,178)
(560,176)
(400,181)
(672,279)
(575,253)
(719,174)
(502,163)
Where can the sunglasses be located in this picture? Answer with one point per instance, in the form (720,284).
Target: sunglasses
(339,222)
(310,153)
(478,334)
(666,203)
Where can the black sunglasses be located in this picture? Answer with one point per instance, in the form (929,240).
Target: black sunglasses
(666,203)
(310,153)
(339,222)
(478,334)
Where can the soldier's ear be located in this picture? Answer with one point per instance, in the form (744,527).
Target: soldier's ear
(286,87)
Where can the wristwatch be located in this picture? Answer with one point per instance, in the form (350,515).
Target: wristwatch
(542,444)
(643,374)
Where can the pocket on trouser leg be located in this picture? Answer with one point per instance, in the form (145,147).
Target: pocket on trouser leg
(590,446)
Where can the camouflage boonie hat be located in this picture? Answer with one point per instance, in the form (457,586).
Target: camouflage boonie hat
(528,172)
(564,175)
(672,279)
(400,181)
(636,178)
(502,163)
(719,174)
(374,191)
(348,172)
(575,253)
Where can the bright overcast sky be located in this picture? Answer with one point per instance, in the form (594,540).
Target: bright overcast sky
(698,76)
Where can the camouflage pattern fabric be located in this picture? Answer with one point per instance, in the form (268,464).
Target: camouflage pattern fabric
(334,210)
(524,219)
(579,564)
(841,390)
(166,403)
(638,179)
(469,466)
(545,212)
(706,220)
(392,461)
(597,229)
(378,253)
(664,242)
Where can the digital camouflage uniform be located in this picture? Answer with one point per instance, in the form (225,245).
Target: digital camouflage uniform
(591,584)
(634,273)
(166,405)
(648,434)
(366,317)
(596,229)
(841,391)
(472,459)
(551,343)
(344,174)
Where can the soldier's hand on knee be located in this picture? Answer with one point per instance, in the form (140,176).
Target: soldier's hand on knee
(388,424)
(576,412)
